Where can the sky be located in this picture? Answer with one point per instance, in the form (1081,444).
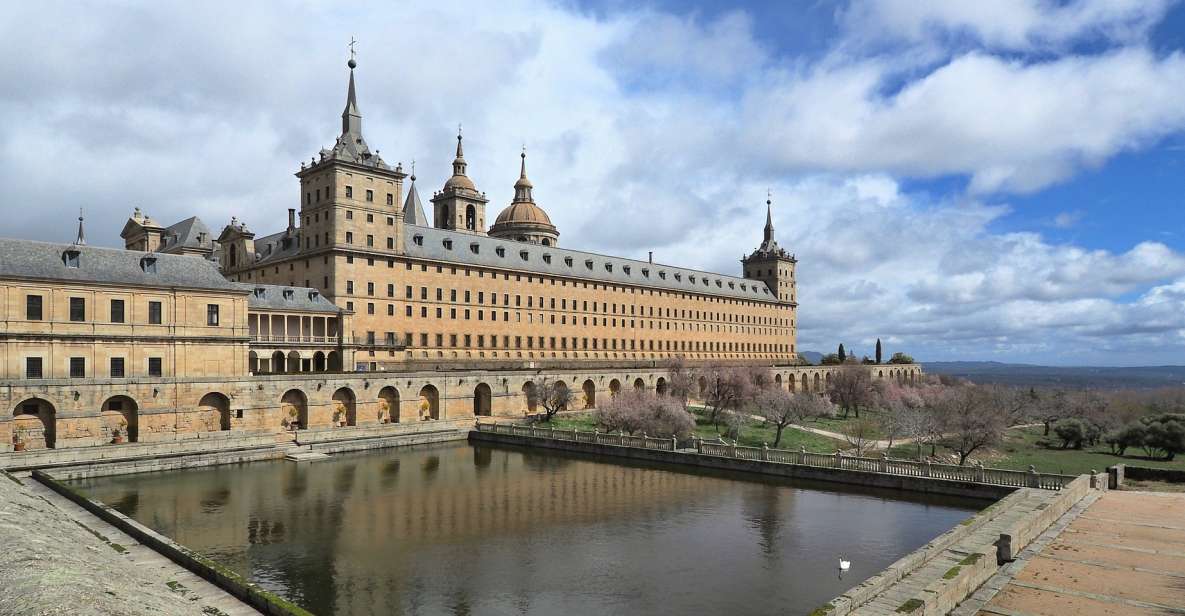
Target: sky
(964,180)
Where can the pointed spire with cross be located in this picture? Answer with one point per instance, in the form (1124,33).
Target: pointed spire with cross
(80,240)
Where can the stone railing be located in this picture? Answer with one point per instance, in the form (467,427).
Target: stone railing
(838,460)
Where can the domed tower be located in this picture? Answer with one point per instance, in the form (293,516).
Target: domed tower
(459,205)
(524,221)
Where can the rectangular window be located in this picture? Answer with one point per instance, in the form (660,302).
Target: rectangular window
(349,287)
(33,307)
(390,201)
(349,237)
(117,311)
(390,290)
(370,289)
(390,243)
(33,368)
(154,313)
(77,309)
(77,367)
(212,315)
(154,366)
(349,192)
(369,197)
(117,368)
(370,242)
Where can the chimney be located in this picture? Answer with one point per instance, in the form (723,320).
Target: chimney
(291,218)
(651,257)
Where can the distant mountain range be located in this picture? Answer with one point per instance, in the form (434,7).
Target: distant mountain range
(1027,375)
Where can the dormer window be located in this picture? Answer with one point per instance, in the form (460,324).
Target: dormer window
(678,277)
(314,294)
(626,269)
(718,283)
(547,258)
(646,272)
(71,257)
(289,294)
(260,291)
(475,248)
(732,285)
(744,287)
(148,265)
(662,275)
(691,279)
(418,240)
(500,251)
(524,255)
(448,244)
(608,267)
(568,261)
(588,264)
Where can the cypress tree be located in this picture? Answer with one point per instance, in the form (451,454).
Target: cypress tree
(842,355)
(878,350)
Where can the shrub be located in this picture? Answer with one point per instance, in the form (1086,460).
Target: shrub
(1165,434)
(1071,431)
(640,412)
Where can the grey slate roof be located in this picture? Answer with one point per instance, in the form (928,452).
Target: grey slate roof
(413,210)
(189,233)
(272,248)
(276,297)
(45,261)
(584,265)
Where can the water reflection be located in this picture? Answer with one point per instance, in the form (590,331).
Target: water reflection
(481,530)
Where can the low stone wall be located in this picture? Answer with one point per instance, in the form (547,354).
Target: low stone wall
(852,477)
(208,442)
(330,435)
(1016,537)
(1119,472)
(262,600)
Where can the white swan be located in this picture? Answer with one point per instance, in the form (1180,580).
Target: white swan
(844,565)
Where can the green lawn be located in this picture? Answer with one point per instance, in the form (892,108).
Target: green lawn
(753,434)
(1020,449)
(842,426)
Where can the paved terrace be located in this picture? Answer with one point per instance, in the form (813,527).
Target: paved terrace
(1124,554)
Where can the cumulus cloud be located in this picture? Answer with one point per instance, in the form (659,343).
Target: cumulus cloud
(645,130)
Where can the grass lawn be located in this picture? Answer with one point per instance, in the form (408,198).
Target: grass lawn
(843,426)
(752,435)
(1020,449)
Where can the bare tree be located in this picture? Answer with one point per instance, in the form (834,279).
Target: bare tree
(553,396)
(921,425)
(644,412)
(968,420)
(728,390)
(781,409)
(861,434)
(851,388)
(680,380)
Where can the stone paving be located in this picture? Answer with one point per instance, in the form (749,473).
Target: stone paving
(1124,553)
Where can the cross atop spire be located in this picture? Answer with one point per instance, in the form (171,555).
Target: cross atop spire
(351,46)
(351,117)
(523,187)
(81,239)
(769,219)
(459,162)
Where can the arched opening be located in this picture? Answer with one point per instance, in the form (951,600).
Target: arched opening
(253,362)
(34,425)
(119,420)
(294,410)
(334,361)
(639,384)
(545,241)
(828,380)
(531,394)
(590,394)
(214,411)
(389,405)
(778,380)
(345,411)
(660,387)
(614,387)
(470,218)
(482,400)
(561,387)
(319,361)
(791,387)
(277,362)
(818,383)
(703,387)
(293,361)
(429,403)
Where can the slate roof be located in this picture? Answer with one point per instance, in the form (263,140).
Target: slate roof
(189,233)
(271,247)
(276,297)
(413,210)
(28,259)
(584,265)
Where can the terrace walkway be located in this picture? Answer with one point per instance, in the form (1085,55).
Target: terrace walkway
(1124,554)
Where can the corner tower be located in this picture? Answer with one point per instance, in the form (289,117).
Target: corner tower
(771,263)
(459,205)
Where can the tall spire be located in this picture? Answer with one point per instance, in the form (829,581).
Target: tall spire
(351,117)
(769,219)
(459,161)
(81,239)
(522,188)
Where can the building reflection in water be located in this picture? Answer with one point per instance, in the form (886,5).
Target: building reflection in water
(460,529)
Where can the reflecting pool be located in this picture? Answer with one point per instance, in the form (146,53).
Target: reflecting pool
(474,529)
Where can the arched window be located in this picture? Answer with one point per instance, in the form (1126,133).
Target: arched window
(470,218)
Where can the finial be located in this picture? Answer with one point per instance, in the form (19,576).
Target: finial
(769,194)
(352,63)
(81,239)
(413,169)
(523,169)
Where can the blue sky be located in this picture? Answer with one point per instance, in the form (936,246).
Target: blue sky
(964,180)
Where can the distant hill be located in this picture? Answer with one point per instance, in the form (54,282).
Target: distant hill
(1027,375)
(812,356)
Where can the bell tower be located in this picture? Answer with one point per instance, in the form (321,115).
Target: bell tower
(459,205)
(771,263)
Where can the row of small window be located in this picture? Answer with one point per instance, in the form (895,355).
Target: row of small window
(34,368)
(309,196)
(34,310)
(533,342)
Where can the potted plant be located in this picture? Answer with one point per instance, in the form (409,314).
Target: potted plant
(18,444)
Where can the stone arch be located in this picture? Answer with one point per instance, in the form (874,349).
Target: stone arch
(120,419)
(34,424)
(470,217)
(214,410)
(660,386)
(827,380)
(429,402)
(818,385)
(531,395)
(345,407)
(277,366)
(253,362)
(639,384)
(333,361)
(590,394)
(319,361)
(791,384)
(561,386)
(614,387)
(805,384)
(294,409)
(483,399)
(778,380)
(389,403)
(293,362)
